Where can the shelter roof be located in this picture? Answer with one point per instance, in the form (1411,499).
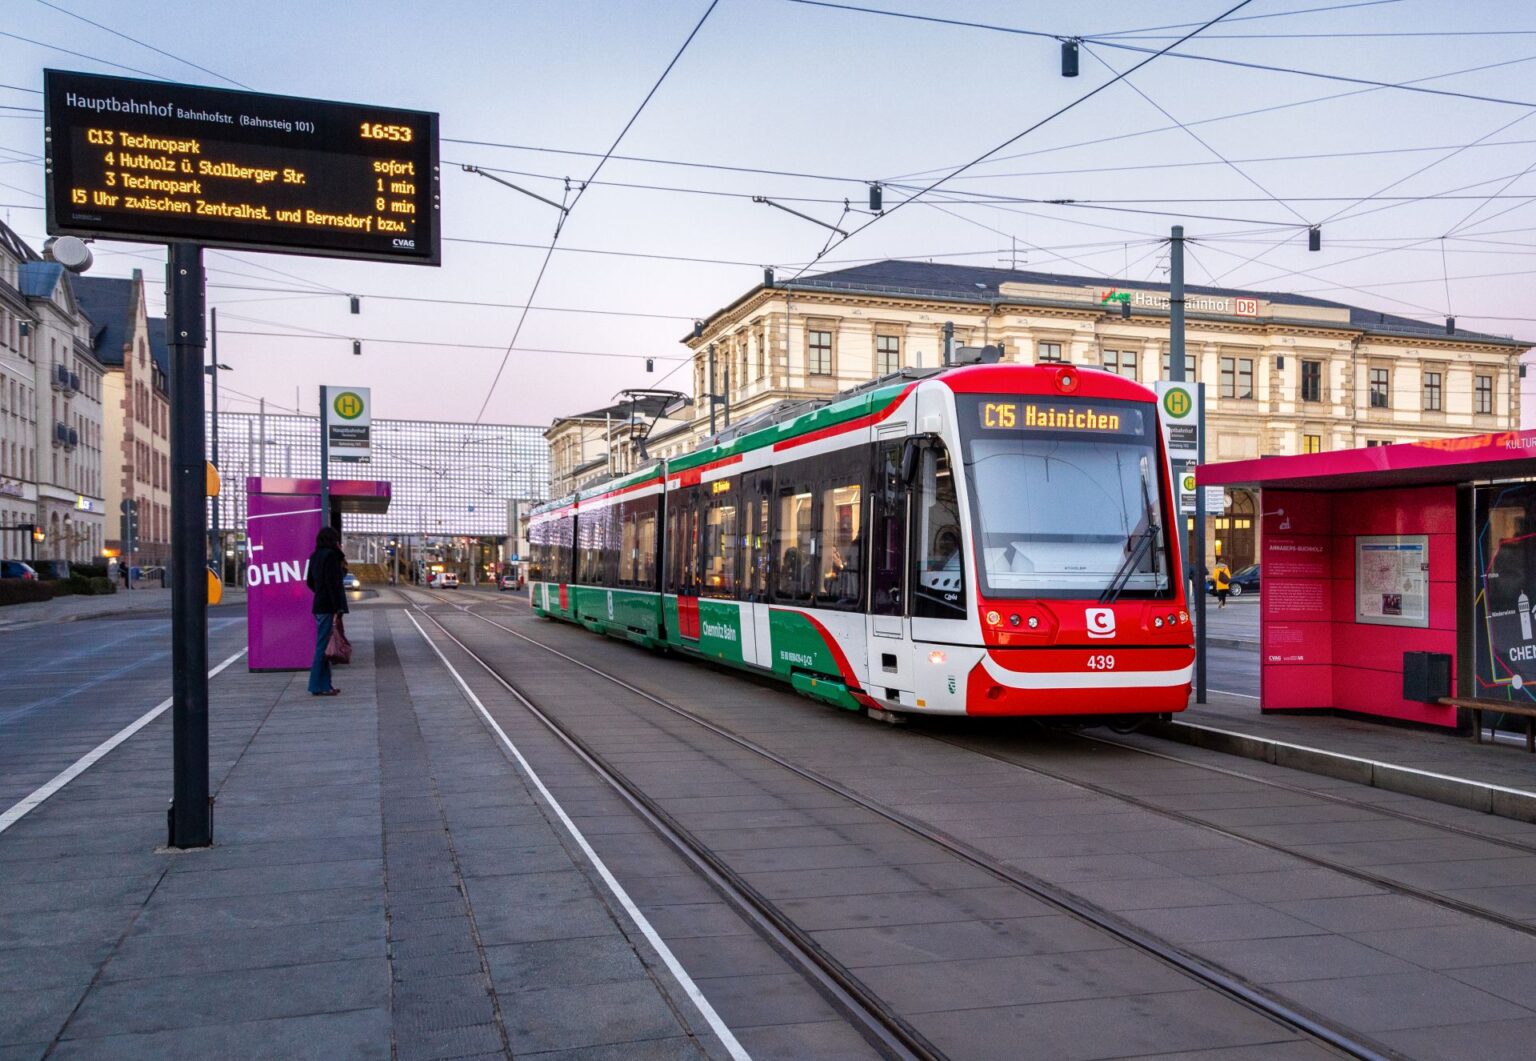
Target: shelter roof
(1501,455)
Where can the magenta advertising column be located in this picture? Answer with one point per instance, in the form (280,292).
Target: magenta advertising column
(280,531)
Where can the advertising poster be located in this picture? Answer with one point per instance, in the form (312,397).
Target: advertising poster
(1503,641)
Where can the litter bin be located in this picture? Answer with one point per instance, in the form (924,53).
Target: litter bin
(1426,676)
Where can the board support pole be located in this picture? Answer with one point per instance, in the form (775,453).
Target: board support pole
(191,815)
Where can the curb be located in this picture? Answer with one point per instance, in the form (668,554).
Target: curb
(1441,788)
(1232,642)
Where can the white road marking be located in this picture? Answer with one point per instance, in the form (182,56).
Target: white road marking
(706,1010)
(90,758)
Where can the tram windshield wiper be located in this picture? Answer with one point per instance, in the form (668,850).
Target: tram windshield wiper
(1136,546)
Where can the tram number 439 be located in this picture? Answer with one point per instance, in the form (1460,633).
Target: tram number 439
(1102,662)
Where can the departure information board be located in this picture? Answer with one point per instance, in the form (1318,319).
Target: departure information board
(165,163)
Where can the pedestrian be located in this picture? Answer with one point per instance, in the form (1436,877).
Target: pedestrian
(1221,581)
(327,564)
(127,573)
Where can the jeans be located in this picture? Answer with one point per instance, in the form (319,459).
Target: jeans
(320,669)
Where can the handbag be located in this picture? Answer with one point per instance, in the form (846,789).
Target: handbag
(338,649)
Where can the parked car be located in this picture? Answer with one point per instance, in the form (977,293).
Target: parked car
(17,569)
(351,581)
(445,580)
(51,569)
(1245,580)
(508,581)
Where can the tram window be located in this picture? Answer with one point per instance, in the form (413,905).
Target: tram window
(688,542)
(939,588)
(675,523)
(719,544)
(888,532)
(795,543)
(645,544)
(842,542)
(627,545)
(564,548)
(757,548)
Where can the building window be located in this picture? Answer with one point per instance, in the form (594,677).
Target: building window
(1381,388)
(1371,443)
(1121,362)
(1433,392)
(1237,378)
(1311,443)
(887,354)
(1311,382)
(1484,394)
(819,353)
(1189,366)
(1047,352)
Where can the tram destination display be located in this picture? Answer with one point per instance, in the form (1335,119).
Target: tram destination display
(168,163)
(1078,418)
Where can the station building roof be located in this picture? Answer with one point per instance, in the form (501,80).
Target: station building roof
(1472,458)
(984,286)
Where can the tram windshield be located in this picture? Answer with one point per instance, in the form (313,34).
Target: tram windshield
(1066,495)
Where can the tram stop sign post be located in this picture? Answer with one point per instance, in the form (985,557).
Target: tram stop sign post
(195,167)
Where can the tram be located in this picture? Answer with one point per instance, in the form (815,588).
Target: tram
(979,540)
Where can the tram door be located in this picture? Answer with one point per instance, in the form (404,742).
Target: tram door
(890,649)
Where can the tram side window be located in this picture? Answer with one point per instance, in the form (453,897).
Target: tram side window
(674,542)
(628,550)
(683,538)
(564,548)
(538,545)
(794,538)
(939,587)
(720,541)
(645,543)
(888,532)
(840,576)
(757,547)
(588,556)
(608,573)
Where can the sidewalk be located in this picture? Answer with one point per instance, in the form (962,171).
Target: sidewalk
(123,602)
(383,884)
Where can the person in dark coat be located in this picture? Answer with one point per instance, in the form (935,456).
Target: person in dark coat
(327,564)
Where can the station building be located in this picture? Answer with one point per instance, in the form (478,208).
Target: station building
(1284,374)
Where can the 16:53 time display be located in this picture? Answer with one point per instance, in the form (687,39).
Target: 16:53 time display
(377,131)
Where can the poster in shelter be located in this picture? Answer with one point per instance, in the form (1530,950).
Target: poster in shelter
(1504,647)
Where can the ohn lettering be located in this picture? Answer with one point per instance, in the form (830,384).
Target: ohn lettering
(276,574)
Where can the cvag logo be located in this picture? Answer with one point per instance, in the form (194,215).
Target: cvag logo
(408,244)
(1101,622)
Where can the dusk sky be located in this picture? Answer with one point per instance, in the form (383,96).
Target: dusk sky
(1425,200)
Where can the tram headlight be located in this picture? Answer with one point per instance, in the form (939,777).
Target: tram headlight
(1034,622)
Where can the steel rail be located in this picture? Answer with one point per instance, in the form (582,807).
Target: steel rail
(1184,818)
(1221,980)
(881,1026)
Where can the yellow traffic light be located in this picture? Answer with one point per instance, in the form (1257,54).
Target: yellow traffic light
(214,482)
(215,584)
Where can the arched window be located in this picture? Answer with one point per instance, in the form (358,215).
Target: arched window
(1235,529)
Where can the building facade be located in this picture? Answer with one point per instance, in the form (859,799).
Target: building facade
(50,413)
(1283,373)
(136,402)
(67,383)
(18,404)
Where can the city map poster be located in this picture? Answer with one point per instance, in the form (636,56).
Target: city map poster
(1392,579)
(1504,647)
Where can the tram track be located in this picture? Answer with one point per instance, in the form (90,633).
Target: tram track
(1365,876)
(1271,1005)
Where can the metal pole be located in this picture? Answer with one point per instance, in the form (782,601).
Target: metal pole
(191,822)
(1196,541)
(712,390)
(261,441)
(325,458)
(949,343)
(727,395)
(216,549)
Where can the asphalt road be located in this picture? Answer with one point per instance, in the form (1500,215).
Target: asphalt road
(68,686)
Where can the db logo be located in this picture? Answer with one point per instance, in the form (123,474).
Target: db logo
(1101,622)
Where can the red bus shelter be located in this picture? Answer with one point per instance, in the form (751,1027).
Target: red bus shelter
(1368,555)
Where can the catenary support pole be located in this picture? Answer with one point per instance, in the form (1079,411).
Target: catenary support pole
(325,456)
(215,547)
(1195,543)
(191,823)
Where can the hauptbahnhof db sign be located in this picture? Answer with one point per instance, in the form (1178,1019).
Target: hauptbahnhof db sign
(165,163)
